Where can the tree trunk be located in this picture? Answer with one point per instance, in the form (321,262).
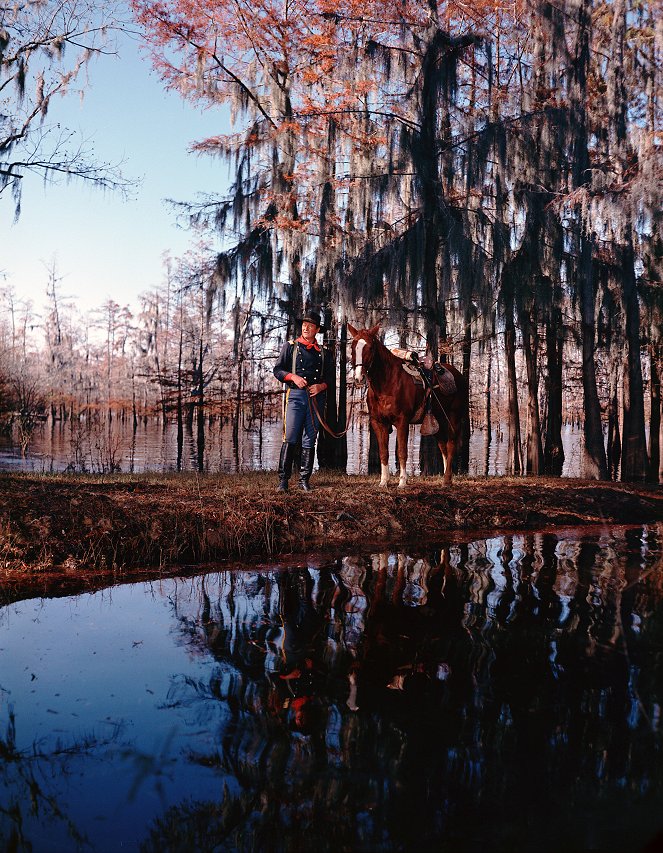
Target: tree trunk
(594,464)
(655,419)
(634,445)
(430,458)
(341,445)
(200,443)
(237,415)
(327,443)
(553,461)
(434,123)
(374,465)
(489,423)
(463,456)
(180,413)
(534,442)
(514,463)
(614,441)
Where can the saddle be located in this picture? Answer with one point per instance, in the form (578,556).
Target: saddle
(413,371)
(437,378)
(432,377)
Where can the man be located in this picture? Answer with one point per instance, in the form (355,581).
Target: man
(306,369)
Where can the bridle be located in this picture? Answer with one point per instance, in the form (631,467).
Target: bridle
(360,368)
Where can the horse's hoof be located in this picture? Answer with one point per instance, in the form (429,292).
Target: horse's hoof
(402,485)
(383,485)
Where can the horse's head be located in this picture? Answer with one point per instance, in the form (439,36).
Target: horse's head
(363,350)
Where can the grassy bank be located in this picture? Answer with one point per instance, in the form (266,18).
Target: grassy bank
(71,529)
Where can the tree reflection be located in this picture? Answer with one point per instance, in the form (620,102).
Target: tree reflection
(29,788)
(465,699)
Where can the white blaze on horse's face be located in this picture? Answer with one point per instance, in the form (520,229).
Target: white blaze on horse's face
(359,364)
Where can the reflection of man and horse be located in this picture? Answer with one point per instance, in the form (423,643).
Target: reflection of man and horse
(401,391)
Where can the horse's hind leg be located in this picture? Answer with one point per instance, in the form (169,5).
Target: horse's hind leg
(447,449)
(382,434)
(402,434)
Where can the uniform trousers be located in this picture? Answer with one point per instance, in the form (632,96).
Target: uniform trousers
(300,419)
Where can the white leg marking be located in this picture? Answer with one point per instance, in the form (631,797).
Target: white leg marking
(384,479)
(446,473)
(402,482)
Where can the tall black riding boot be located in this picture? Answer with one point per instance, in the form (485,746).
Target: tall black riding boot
(285,465)
(306,469)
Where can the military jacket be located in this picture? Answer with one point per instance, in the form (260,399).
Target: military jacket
(315,364)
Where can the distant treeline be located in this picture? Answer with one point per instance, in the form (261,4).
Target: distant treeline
(484,180)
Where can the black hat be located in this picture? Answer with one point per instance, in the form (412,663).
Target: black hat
(313,317)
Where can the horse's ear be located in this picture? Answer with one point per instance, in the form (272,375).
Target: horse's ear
(374,331)
(352,330)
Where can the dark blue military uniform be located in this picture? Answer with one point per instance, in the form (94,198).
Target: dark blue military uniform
(313,364)
(300,421)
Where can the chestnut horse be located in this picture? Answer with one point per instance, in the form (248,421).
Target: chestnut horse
(394,399)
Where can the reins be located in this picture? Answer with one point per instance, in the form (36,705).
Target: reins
(314,408)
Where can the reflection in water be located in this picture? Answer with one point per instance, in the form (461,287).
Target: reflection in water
(97,448)
(499,695)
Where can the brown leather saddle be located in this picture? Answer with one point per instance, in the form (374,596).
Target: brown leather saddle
(440,380)
(432,378)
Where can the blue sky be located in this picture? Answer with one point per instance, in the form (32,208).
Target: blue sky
(105,246)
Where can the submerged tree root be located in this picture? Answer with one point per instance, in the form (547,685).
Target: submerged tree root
(75,528)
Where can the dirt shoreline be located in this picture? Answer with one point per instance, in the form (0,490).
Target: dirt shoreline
(78,532)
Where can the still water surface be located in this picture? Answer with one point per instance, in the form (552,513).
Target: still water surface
(92,447)
(503,694)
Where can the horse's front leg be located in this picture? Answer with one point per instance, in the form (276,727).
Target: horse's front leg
(402,436)
(381,431)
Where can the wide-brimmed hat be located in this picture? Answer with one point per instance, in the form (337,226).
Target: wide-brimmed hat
(313,317)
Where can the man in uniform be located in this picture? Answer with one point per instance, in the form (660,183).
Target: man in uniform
(306,369)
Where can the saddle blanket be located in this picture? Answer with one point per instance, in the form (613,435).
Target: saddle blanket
(413,371)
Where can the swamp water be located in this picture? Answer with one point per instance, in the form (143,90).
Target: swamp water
(91,447)
(503,694)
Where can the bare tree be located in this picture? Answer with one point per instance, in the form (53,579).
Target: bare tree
(45,48)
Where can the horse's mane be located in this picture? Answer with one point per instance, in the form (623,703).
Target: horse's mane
(372,335)
(381,353)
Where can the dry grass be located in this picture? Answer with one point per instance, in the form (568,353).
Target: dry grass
(79,526)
